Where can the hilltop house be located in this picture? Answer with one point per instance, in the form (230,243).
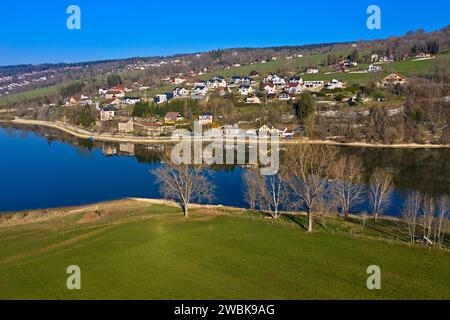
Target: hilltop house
(205,118)
(126,126)
(264,129)
(108,113)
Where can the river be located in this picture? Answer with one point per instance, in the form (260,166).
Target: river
(43,168)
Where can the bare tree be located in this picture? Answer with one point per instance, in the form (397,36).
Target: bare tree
(347,186)
(428,218)
(308,167)
(410,213)
(273,194)
(252,182)
(442,216)
(380,191)
(184,184)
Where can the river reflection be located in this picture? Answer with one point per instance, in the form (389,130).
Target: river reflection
(41,167)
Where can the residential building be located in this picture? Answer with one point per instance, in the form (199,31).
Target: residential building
(312,70)
(392,80)
(126,126)
(153,129)
(205,118)
(172,117)
(108,113)
(334,84)
(375,68)
(130,100)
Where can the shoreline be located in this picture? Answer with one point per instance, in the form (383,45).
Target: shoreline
(85,134)
(14,218)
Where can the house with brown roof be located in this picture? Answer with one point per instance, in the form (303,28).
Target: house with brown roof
(392,80)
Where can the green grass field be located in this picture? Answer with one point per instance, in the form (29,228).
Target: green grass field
(137,250)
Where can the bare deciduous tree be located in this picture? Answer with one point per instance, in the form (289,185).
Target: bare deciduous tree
(428,218)
(442,215)
(380,191)
(273,194)
(410,213)
(347,186)
(252,182)
(184,184)
(308,167)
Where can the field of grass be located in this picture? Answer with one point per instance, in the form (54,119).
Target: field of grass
(137,250)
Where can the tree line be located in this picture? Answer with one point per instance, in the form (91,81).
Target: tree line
(319,181)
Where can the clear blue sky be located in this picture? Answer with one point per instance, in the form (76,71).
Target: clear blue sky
(35,31)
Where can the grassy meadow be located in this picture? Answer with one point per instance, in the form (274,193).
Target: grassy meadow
(136,250)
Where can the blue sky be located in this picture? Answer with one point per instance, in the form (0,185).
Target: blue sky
(35,31)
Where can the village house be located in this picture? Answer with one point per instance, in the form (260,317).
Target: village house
(172,117)
(126,126)
(180,92)
(423,55)
(85,100)
(178,80)
(295,80)
(130,100)
(270,89)
(200,91)
(113,101)
(102,91)
(153,129)
(72,101)
(284,96)
(294,88)
(392,80)
(108,113)
(254,74)
(160,98)
(205,118)
(312,70)
(375,68)
(245,89)
(313,85)
(115,93)
(264,129)
(334,84)
(253,100)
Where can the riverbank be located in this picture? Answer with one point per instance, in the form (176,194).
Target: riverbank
(218,253)
(106,137)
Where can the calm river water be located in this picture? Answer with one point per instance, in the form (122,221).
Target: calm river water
(42,168)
